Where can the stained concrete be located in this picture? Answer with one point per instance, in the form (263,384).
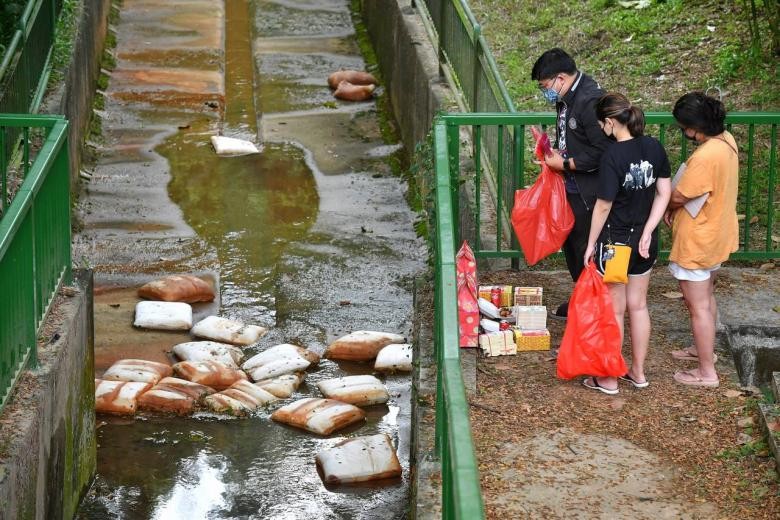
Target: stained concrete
(47,457)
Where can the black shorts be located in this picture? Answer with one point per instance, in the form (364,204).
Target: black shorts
(637,265)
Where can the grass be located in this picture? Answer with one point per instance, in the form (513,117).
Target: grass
(653,55)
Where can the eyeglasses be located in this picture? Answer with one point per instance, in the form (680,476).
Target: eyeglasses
(542,85)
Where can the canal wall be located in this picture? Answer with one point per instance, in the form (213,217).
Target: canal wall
(47,429)
(74,96)
(409,65)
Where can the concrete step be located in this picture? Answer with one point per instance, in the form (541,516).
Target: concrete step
(776,386)
(770,424)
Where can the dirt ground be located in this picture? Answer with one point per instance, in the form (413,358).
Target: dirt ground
(551,448)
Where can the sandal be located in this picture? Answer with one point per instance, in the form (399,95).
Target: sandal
(637,384)
(596,386)
(690,355)
(687,377)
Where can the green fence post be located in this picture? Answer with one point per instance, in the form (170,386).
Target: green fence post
(770,206)
(476,68)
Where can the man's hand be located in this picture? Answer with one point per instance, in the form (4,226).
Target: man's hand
(589,251)
(554,160)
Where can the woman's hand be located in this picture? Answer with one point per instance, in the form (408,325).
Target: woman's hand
(554,160)
(589,251)
(669,217)
(644,244)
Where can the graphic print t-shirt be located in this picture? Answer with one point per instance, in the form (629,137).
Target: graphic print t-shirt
(627,176)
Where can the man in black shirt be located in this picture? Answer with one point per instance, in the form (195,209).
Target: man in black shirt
(579,144)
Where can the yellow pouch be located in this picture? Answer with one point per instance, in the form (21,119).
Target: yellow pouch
(616,265)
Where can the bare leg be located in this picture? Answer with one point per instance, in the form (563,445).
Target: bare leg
(699,298)
(639,319)
(618,293)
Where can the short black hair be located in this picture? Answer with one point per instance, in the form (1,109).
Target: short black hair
(551,63)
(700,112)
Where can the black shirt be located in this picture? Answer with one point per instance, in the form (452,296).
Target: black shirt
(627,176)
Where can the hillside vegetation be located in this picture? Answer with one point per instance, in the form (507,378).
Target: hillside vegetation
(653,54)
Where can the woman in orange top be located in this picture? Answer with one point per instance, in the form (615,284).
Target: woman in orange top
(703,237)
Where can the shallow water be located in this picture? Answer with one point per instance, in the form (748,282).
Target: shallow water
(312,238)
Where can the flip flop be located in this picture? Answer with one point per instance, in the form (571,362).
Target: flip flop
(688,356)
(597,386)
(637,384)
(686,377)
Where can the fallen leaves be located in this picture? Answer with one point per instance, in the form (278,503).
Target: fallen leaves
(672,295)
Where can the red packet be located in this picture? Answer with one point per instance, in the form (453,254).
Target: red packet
(468,310)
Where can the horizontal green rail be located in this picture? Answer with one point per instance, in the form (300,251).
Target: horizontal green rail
(461,493)
(34,244)
(755,132)
(24,65)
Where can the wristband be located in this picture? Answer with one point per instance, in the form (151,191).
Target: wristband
(566,165)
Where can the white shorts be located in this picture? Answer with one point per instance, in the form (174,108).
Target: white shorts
(691,275)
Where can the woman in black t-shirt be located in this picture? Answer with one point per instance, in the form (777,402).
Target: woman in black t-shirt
(634,189)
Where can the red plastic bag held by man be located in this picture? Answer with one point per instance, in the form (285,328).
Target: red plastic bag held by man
(591,342)
(468,310)
(541,216)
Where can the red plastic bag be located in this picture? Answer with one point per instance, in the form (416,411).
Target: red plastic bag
(541,215)
(591,343)
(468,310)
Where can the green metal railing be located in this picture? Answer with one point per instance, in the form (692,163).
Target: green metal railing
(461,494)
(756,134)
(34,241)
(24,66)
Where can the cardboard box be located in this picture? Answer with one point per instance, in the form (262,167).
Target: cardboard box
(506,294)
(526,340)
(530,317)
(498,343)
(528,296)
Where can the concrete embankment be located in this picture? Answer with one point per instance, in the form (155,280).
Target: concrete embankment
(47,456)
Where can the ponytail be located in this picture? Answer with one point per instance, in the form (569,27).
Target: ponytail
(618,107)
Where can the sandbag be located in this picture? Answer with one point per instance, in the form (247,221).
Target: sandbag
(228,355)
(349,92)
(227,331)
(279,360)
(396,357)
(118,397)
(361,345)
(232,146)
(174,395)
(355,77)
(208,373)
(240,399)
(359,459)
(163,315)
(322,416)
(358,390)
(282,386)
(139,370)
(178,288)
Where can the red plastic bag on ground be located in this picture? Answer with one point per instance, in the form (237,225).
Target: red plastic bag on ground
(468,310)
(591,343)
(541,216)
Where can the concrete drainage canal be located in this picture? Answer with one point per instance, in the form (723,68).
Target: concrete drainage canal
(311,238)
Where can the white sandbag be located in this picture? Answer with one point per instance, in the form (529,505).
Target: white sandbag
(232,146)
(139,370)
(240,399)
(359,459)
(163,315)
(279,360)
(118,397)
(396,357)
(224,353)
(361,345)
(488,309)
(208,373)
(358,390)
(490,325)
(228,331)
(174,395)
(282,386)
(322,416)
